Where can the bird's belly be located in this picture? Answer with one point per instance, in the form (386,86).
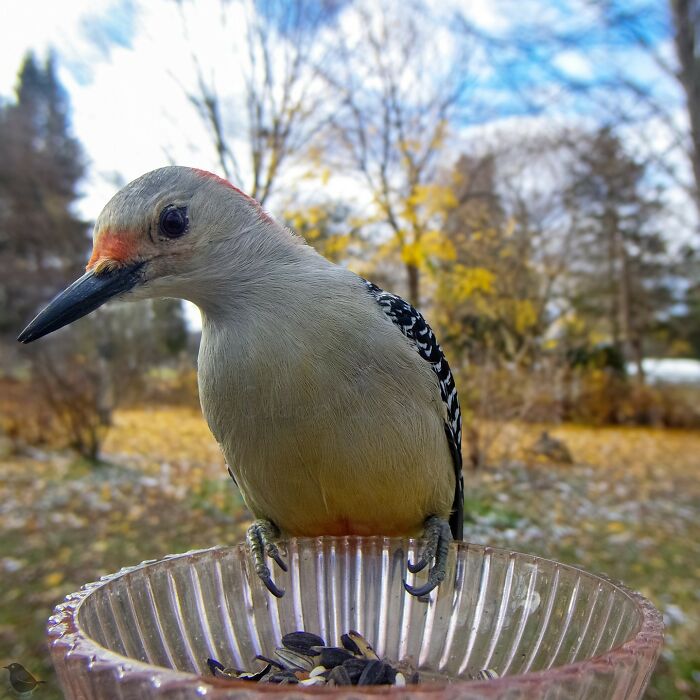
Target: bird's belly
(322,480)
(344,441)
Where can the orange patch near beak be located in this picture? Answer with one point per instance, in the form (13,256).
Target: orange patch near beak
(112,249)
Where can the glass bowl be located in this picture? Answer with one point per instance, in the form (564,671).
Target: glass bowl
(549,630)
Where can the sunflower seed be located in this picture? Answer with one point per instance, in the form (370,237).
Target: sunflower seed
(486,674)
(305,660)
(333,656)
(363,645)
(355,667)
(293,661)
(347,641)
(217,669)
(316,680)
(214,666)
(267,660)
(373,673)
(282,678)
(340,676)
(255,676)
(301,642)
(389,673)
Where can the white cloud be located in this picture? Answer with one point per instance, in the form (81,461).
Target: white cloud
(574,64)
(485,14)
(37,24)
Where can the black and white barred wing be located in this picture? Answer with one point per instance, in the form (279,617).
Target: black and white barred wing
(416,329)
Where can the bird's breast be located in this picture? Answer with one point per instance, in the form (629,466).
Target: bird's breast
(341,434)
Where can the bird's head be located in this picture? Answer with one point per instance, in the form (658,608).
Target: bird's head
(14,667)
(162,235)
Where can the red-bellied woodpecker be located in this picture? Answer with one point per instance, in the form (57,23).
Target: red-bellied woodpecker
(331,399)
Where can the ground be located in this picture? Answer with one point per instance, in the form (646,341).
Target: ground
(629,507)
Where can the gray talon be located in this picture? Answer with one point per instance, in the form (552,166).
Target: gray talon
(274,554)
(260,538)
(437,544)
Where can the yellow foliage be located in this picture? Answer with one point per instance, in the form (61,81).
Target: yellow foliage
(53,579)
(434,197)
(525,315)
(432,245)
(315,224)
(472,280)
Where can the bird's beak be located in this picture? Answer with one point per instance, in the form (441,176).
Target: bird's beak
(83,296)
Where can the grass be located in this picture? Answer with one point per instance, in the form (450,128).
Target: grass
(629,507)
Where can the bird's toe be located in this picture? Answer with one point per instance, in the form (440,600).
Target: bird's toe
(437,538)
(260,539)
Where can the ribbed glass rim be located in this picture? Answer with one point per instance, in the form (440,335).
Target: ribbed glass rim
(67,636)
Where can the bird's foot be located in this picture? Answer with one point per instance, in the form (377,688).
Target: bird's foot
(260,538)
(437,543)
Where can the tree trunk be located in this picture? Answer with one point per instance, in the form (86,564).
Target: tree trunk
(413,277)
(613,287)
(638,356)
(631,340)
(686,18)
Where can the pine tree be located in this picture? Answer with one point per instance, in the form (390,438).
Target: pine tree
(42,241)
(489,293)
(619,270)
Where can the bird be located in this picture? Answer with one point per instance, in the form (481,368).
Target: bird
(21,680)
(552,449)
(331,399)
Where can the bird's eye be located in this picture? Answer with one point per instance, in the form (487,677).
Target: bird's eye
(173,221)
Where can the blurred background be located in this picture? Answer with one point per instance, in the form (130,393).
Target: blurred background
(526,172)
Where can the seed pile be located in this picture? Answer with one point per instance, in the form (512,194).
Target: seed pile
(305,659)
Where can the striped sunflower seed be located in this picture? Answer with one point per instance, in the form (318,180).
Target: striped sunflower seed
(301,642)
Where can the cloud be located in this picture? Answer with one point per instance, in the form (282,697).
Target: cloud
(574,64)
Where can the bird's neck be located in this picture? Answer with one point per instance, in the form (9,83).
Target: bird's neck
(255,277)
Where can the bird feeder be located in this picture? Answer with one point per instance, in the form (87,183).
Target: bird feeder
(541,628)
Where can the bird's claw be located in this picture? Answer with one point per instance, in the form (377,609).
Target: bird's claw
(437,543)
(260,538)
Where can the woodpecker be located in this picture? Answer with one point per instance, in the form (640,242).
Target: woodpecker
(331,399)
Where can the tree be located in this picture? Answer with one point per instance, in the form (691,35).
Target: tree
(42,241)
(328,226)
(399,95)
(169,328)
(646,26)
(608,60)
(620,271)
(686,18)
(272,117)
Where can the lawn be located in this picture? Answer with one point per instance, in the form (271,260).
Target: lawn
(628,507)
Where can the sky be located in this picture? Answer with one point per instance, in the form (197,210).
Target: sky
(126,65)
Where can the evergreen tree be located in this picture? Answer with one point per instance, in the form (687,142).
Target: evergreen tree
(489,296)
(619,268)
(42,242)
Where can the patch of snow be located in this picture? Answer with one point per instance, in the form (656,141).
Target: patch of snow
(670,371)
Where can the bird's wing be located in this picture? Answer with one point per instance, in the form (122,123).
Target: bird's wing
(21,680)
(416,329)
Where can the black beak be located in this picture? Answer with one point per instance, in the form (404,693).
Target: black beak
(83,296)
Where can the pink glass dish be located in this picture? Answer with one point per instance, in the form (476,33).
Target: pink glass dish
(549,630)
